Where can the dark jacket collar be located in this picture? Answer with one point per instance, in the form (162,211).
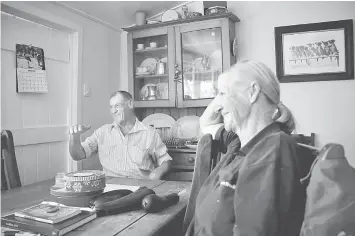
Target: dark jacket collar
(272,128)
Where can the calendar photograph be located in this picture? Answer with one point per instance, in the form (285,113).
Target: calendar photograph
(31,70)
(29,57)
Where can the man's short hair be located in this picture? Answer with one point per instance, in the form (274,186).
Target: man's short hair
(126,95)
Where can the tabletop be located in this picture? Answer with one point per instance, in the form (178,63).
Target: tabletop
(130,223)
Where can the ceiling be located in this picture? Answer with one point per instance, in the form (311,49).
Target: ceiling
(119,13)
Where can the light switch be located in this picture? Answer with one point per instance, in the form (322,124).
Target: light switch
(87,90)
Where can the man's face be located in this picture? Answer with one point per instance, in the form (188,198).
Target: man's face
(121,109)
(234,101)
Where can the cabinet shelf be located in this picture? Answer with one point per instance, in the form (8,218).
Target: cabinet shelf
(208,72)
(205,44)
(206,48)
(151,50)
(150,76)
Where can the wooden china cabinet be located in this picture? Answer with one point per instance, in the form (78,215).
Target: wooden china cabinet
(177,63)
(173,68)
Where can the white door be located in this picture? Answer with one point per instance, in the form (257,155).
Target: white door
(39,122)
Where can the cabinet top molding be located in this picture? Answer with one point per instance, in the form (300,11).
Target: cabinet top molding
(229,15)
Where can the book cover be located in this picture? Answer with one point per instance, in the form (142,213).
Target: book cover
(15,232)
(23,224)
(49,212)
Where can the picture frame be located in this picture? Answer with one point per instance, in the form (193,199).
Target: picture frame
(315,52)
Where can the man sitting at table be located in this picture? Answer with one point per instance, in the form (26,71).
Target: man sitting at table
(126,147)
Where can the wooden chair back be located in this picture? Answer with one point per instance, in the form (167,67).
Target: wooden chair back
(308,140)
(306,156)
(10,177)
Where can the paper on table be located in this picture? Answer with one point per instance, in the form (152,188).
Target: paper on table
(110,187)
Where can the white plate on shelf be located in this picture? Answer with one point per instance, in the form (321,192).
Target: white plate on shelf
(162,122)
(170,15)
(159,120)
(150,63)
(187,127)
(143,73)
(197,64)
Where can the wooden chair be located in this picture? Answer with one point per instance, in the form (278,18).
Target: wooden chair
(10,177)
(303,139)
(202,169)
(305,152)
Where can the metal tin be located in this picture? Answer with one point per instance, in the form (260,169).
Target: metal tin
(216,10)
(85,181)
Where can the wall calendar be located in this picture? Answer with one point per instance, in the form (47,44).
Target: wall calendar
(30,70)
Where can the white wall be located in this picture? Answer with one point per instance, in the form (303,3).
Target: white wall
(41,114)
(325,108)
(100,65)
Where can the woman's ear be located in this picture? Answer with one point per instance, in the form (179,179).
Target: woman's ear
(254,91)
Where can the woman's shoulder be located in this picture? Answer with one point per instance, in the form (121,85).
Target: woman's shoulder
(285,147)
(280,138)
(271,148)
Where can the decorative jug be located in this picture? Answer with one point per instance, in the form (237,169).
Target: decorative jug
(152,92)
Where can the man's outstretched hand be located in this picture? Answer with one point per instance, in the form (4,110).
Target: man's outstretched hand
(79,129)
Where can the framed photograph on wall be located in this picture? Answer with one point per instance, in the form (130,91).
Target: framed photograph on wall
(315,52)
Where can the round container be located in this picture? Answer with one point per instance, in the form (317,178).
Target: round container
(216,10)
(61,192)
(77,201)
(193,14)
(85,181)
(153,44)
(140,46)
(140,18)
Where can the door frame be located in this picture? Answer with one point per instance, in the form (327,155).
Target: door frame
(40,16)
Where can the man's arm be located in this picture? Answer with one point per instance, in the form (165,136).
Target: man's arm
(77,151)
(159,153)
(161,171)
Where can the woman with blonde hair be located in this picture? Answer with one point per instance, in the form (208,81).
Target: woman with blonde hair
(255,190)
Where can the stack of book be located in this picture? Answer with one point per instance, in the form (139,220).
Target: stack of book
(48,218)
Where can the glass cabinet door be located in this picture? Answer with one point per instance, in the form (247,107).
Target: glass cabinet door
(201,63)
(152,75)
(150,68)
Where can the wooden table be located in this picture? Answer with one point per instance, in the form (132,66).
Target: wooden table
(130,223)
